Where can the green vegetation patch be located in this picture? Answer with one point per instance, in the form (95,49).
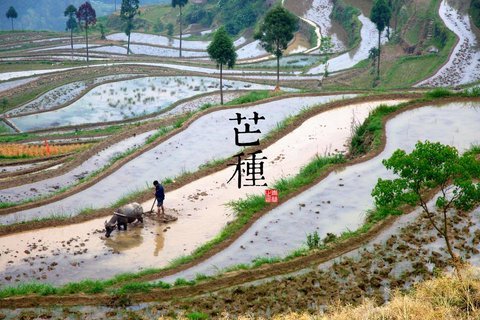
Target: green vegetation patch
(475,12)
(347,16)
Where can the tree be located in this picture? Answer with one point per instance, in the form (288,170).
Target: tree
(128,11)
(431,166)
(380,15)
(12,14)
(103,30)
(180,4)
(325,52)
(276,31)
(86,14)
(71,12)
(170,30)
(395,7)
(222,51)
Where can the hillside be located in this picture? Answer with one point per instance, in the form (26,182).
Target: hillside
(48,14)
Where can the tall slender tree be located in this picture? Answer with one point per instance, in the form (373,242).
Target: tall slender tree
(276,31)
(222,51)
(71,12)
(180,4)
(128,11)
(86,14)
(380,15)
(12,14)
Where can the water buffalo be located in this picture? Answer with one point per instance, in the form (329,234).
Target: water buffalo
(122,216)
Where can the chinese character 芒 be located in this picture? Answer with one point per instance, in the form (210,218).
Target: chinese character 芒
(247,130)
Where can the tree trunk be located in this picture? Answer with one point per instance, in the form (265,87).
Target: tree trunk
(12,24)
(221,84)
(71,40)
(277,88)
(447,239)
(379,54)
(86,37)
(128,45)
(180,31)
(115,5)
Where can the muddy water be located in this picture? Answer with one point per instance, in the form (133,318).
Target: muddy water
(164,41)
(164,52)
(463,65)
(19,74)
(251,50)
(13,84)
(199,205)
(320,13)
(339,202)
(63,94)
(127,99)
(369,35)
(50,186)
(181,153)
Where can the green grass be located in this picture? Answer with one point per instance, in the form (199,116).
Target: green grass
(475,12)
(367,136)
(253,97)
(197,316)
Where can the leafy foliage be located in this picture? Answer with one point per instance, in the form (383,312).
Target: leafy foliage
(71,12)
(87,14)
(128,11)
(277,30)
(429,166)
(381,14)
(475,12)
(11,14)
(221,49)
(346,15)
(237,15)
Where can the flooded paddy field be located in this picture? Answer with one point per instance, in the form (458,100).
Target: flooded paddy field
(200,207)
(181,153)
(463,65)
(62,95)
(54,184)
(277,234)
(127,99)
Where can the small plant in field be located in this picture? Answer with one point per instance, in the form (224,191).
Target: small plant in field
(183,282)
(197,316)
(313,240)
(439,93)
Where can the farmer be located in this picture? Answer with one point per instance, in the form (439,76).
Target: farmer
(160,196)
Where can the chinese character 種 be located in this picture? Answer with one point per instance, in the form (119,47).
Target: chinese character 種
(250,168)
